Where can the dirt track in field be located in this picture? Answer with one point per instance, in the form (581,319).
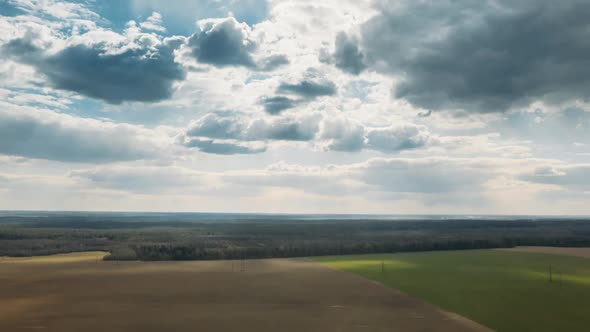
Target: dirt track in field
(79,292)
(577,252)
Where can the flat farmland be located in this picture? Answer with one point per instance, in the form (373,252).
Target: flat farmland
(80,292)
(504,290)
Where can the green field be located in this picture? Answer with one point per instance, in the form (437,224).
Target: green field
(506,291)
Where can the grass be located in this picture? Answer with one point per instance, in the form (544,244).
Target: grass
(506,291)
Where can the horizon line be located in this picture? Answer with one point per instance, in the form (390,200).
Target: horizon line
(304,213)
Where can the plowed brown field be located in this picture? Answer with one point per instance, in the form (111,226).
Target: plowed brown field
(80,292)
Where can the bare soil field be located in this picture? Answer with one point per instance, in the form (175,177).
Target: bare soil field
(80,292)
(577,252)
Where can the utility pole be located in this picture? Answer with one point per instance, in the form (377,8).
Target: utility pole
(382,267)
(550,274)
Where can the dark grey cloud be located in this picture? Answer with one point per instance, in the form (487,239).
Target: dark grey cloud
(347,55)
(223,44)
(575,177)
(211,146)
(53,136)
(226,42)
(22,47)
(482,56)
(308,89)
(137,74)
(275,105)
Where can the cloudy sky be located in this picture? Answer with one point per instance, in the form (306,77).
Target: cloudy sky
(331,106)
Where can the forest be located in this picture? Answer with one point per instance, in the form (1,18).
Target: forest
(204,237)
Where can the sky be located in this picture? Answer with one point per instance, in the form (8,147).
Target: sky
(296,106)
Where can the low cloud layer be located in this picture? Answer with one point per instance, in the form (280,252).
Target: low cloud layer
(60,137)
(387,175)
(574,177)
(435,175)
(142,179)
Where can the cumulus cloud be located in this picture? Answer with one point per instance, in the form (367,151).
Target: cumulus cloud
(343,134)
(308,89)
(305,90)
(273,62)
(153,22)
(104,65)
(53,136)
(283,129)
(397,138)
(313,85)
(227,42)
(217,147)
(215,126)
(211,132)
(223,42)
(347,55)
(332,133)
(482,56)
(277,104)
(238,127)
